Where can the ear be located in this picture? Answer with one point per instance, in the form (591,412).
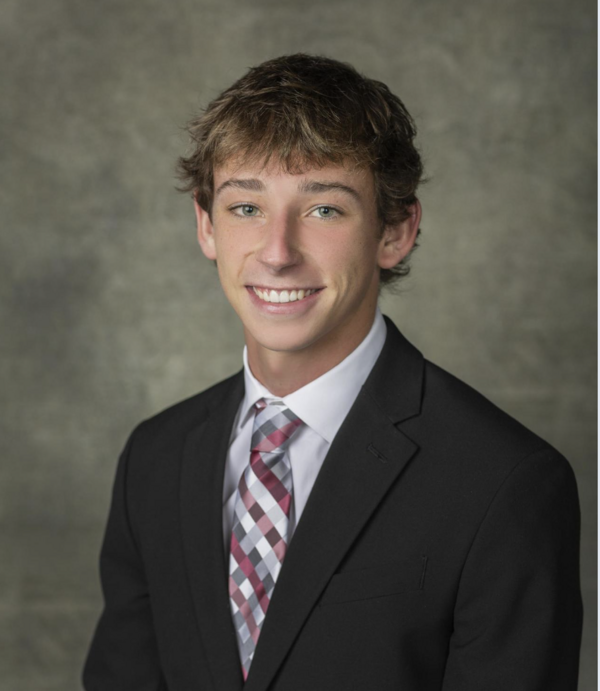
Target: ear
(399,239)
(206,232)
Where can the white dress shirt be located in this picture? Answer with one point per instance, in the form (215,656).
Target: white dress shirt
(322,405)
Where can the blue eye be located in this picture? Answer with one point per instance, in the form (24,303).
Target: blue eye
(248,210)
(327,212)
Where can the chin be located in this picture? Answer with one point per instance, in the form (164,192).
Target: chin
(283,345)
(284,339)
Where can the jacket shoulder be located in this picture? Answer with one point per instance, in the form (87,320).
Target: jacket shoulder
(470,427)
(470,448)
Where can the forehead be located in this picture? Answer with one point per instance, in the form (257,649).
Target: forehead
(262,177)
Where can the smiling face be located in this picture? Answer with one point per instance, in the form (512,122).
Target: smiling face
(299,256)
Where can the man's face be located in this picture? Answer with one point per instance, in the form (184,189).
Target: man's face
(298,255)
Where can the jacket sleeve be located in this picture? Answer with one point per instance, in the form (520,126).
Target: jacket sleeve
(518,613)
(123,655)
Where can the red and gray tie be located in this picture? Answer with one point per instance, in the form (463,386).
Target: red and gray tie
(259,536)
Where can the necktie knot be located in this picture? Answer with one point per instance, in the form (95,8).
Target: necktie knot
(274,426)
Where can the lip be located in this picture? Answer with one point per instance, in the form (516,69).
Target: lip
(293,308)
(280,288)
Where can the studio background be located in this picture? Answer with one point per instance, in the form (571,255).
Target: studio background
(109,312)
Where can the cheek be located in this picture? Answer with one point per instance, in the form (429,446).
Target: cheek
(228,268)
(355,261)
(230,252)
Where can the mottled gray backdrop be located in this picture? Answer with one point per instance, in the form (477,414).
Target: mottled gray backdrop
(109,312)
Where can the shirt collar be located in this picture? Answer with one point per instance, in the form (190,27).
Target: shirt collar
(324,402)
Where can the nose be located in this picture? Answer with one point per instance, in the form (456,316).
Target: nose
(278,247)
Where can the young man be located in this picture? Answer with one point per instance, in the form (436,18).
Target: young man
(341,514)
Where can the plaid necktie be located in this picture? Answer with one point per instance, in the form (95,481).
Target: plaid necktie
(260,523)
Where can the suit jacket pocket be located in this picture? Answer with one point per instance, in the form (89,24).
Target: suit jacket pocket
(378,581)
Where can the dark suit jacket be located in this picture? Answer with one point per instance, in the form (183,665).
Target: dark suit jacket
(438,550)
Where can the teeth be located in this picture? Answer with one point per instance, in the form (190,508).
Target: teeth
(284,295)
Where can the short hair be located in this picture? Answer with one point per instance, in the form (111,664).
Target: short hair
(307,111)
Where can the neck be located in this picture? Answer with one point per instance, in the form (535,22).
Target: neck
(283,372)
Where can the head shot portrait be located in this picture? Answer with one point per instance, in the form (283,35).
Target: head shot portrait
(341,513)
(299,325)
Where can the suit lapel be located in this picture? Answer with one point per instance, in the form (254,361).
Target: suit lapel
(365,459)
(201,494)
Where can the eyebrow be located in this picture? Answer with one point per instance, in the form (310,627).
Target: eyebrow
(251,185)
(307,187)
(313,186)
